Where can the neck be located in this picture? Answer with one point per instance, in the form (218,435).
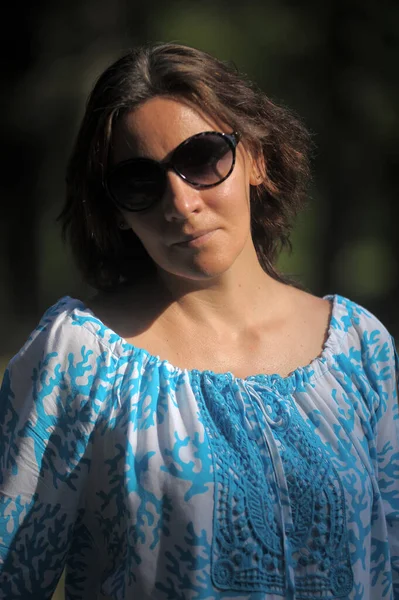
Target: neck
(232,302)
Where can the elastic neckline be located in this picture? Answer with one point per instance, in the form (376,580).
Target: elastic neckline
(308,373)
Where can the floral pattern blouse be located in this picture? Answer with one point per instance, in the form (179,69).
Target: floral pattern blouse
(148,481)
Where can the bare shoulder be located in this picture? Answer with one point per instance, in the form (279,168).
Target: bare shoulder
(312,313)
(310,303)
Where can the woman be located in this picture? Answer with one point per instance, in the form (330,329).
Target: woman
(201,428)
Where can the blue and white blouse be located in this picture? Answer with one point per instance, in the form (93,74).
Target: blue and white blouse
(148,481)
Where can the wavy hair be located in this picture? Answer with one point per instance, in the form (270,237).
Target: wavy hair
(108,256)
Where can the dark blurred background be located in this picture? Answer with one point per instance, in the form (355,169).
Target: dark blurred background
(334,62)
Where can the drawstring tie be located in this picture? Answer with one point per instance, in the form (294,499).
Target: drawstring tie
(243,387)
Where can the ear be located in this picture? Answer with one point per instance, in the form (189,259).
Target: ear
(258,170)
(121,221)
(123,225)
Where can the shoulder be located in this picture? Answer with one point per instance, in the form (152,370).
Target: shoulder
(365,347)
(71,364)
(347,323)
(355,322)
(67,332)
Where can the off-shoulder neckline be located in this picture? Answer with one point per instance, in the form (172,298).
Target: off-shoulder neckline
(302,374)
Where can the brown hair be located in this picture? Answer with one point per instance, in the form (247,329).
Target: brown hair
(108,256)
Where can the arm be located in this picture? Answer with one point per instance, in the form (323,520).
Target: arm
(387,440)
(47,417)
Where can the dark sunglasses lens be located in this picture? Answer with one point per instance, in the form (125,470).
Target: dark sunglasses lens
(204,160)
(136,185)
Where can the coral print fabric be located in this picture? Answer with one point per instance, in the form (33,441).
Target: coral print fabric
(148,481)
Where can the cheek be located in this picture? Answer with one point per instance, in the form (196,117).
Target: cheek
(144,226)
(234,195)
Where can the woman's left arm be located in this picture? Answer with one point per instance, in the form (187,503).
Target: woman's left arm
(387,416)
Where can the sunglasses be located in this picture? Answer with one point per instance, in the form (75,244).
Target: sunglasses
(203,161)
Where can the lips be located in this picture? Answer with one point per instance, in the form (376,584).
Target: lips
(194,236)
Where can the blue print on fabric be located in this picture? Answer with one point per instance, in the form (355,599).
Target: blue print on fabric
(248,552)
(80,552)
(42,539)
(199,475)
(57,390)
(123,529)
(188,569)
(112,460)
(8,424)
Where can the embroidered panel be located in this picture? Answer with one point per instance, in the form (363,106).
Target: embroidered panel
(253,539)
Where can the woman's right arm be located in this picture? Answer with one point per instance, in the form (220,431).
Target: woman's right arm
(48,411)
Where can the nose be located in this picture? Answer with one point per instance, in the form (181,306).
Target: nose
(180,199)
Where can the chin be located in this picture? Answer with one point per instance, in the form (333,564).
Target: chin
(200,270)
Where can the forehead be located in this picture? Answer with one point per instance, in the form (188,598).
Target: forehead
(156,127)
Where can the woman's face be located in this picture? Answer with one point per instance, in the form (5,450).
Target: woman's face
(154,130)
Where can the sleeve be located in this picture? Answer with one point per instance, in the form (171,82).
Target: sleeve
(48,411)
(387,447)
